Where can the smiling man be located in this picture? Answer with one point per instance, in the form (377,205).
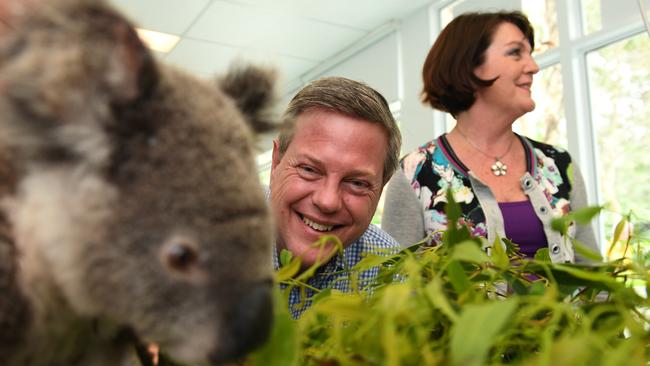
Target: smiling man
(338,146)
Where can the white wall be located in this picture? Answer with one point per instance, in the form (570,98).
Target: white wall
(393,66)
(417,119)
(376,65)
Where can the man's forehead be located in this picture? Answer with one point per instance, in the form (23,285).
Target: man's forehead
(320,118)
(345,157)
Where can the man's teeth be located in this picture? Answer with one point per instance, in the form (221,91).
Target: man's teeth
(317,226)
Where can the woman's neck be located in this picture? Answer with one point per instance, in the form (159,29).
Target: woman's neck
(489,133)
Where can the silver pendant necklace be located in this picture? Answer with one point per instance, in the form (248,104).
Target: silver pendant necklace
(498,168)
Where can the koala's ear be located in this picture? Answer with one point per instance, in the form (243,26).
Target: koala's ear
(253,90)
(133,64)
(129,70)
(64,70)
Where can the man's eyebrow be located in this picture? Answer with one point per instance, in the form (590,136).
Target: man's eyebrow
(363,175)
(354,173)
(312,159)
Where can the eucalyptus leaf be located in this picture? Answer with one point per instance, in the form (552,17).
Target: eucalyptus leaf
(282,347)
(452,208)
(285,257)
(371,260)
(543,255)
(586,252)
(498,255)
(618,230)
(469,251)
(343,306)
(584,215)
(451,306)
(458,277)
(288,271)
(477,330)
(561,224)
(438,298)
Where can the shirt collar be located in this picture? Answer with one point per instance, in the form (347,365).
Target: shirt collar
(338,262)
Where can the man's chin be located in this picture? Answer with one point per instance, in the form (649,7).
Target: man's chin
(318,256)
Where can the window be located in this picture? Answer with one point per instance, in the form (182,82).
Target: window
(600,15)
(547,123)
(619,90)
(591,18)
(543,17)
(265,177)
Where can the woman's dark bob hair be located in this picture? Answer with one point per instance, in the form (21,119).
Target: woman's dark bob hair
(448,72)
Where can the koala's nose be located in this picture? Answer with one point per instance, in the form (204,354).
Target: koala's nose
(249,323)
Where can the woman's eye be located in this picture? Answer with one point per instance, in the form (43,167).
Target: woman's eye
(515,52)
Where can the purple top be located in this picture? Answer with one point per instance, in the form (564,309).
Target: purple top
(523,227)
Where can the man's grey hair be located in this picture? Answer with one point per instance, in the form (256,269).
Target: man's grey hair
(347,97)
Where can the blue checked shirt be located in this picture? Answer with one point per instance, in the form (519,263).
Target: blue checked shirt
(333,275)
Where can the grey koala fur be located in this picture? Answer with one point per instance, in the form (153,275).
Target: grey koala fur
(131,207)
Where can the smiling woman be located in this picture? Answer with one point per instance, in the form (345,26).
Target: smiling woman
(509,186)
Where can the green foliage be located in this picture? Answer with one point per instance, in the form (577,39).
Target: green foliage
(469,347)
(282,349)
(582,216)
(454,305)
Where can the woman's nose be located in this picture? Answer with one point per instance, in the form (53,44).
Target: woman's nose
(532,67)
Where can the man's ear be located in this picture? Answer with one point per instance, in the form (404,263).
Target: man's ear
(276,157)
(275,161)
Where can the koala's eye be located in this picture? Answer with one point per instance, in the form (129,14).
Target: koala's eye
(180,256)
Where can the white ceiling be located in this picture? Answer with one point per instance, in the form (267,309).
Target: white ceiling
(295,36)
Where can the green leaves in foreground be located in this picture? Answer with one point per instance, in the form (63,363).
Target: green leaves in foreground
(469,346)
(282,347)
(455,305)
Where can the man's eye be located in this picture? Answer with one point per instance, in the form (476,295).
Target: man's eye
(359,184)
(306,169)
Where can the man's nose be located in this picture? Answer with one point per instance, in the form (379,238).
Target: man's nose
(327,197)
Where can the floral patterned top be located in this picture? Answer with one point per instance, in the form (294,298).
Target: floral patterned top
(434,168)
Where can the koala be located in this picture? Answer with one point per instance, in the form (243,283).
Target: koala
(131,208)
